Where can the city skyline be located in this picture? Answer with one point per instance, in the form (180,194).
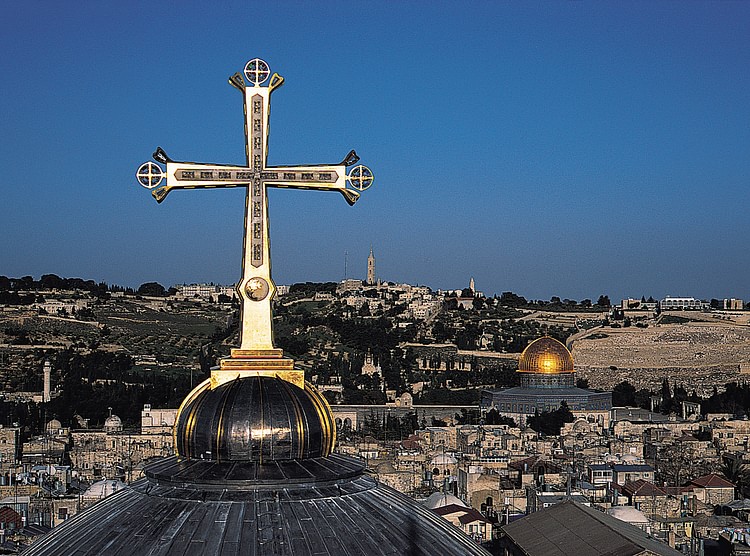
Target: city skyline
(566,149)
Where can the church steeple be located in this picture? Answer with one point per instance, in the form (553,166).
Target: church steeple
(371,269)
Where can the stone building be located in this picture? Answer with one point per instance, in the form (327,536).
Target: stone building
(116,454)
(9,445)
(712,489)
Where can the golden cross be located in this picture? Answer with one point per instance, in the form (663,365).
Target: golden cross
(256,288)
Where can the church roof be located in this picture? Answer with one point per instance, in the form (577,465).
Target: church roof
(255,418)
(321,506)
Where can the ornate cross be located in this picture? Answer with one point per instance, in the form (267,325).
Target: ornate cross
(257,353)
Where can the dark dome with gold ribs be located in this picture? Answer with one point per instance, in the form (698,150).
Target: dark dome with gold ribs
(545,356)
(254,419)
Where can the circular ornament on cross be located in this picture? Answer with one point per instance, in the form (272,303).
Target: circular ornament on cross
(257,289)
(360,177)
(149,175)
(257,71)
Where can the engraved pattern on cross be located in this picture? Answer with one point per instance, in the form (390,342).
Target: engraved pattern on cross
(256,288)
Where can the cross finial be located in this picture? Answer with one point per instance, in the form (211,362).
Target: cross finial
(257,352)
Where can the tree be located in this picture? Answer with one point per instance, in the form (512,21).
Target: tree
(51,282)
(603,301)
(666,397)
(153,289)
(550,422)
(509,299)
(493,417)
(623,394)
(737,472)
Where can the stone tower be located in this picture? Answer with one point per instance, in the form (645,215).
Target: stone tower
(371,269)
(46,392)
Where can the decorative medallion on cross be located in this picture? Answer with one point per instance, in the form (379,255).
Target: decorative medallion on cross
(257,353)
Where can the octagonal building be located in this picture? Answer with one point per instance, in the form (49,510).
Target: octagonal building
(547,378)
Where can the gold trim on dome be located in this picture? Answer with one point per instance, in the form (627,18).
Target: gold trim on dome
(191,417)
(326,418)
(546,356)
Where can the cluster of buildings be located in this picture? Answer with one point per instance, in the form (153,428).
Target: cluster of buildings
(657,473)
(660,474)
(47,479)
(671,303)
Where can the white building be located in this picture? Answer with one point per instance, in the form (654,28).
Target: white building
(209,292)
(682,304)
(733,304)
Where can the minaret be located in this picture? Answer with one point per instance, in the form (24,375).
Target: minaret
(471,286)
(46,393)
(371,268)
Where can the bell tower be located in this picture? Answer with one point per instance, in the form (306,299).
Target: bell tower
(371,268)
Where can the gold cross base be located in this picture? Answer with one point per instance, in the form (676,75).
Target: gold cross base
(256,362)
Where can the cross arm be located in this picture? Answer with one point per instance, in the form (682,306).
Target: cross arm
(320,178)
(190,175)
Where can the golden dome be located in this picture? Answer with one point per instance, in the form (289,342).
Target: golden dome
(545,355)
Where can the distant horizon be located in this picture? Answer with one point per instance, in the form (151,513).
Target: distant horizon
(613,299)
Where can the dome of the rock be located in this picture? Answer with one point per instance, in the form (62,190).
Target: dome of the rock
(545,355)
(546,379)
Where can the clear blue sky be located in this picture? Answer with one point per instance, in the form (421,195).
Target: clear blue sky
(548,148)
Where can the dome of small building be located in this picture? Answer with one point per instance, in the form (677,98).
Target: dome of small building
(103,488)
(256,419)
(444,459)
(385,468)
(112,424)
(54,425)
(628,514)
(545,356)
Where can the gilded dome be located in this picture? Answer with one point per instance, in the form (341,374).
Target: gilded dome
(254,419)
(545,356)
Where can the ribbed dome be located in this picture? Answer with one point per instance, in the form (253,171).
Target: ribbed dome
(254,419)
(545,356)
